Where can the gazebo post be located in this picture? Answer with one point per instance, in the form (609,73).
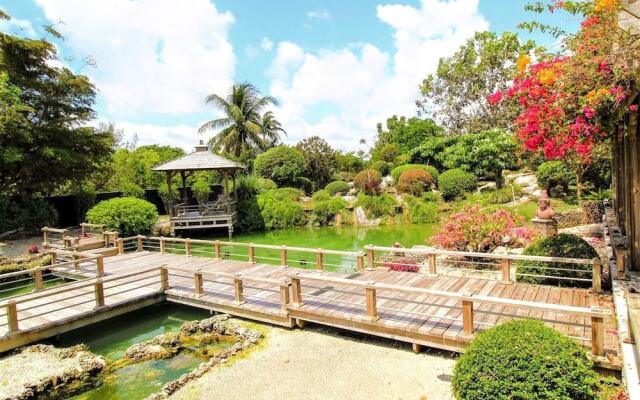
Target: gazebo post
(235,191)
(169,199)
(226,190)
(184,187)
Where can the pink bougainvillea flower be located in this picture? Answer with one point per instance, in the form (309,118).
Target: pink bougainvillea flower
(633,108)
(495,98)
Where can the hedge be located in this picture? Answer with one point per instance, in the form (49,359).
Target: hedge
(126,215)
(397,171)
(454,183)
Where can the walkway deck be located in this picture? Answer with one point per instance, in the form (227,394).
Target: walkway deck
(399,305)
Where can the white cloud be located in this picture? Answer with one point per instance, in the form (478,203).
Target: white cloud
(362,85)
(21,27)
(182,135)
(266,44)
(153,56)
(319,14)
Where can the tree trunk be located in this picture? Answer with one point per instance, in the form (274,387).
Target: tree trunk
(579,173)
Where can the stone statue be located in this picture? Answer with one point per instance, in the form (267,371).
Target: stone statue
(545,211)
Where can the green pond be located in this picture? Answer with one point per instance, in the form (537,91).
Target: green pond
(9,290)
(112,338)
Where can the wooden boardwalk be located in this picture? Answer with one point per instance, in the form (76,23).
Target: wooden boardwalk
(418,308)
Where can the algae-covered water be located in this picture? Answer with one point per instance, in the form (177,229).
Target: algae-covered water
(112,338)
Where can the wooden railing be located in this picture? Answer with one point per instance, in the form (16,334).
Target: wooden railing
(14,311)
(619,242)
(466,301)
(64,265)
(65,239)
(504,267)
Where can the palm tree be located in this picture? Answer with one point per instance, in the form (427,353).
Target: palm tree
(271,129)
(242,124)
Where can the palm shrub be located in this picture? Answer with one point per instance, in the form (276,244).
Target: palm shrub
(248,186)
(337,187)
(377,206)
(397,171)
(201,191)
(324,211)
(561,245)
(368,181)
(126,215)
(524,359)
(454,183)
(414,181)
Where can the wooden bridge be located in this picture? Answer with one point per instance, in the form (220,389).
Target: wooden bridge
(456,295)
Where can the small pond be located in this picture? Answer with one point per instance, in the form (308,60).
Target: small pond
(112,338)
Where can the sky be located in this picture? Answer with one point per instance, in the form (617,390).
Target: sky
(336,67)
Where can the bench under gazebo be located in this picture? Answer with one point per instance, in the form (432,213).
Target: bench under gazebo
(217,213)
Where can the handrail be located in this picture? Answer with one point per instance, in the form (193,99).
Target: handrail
(226,275)
(45,267)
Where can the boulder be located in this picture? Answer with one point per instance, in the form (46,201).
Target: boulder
(487,186)
(526,180)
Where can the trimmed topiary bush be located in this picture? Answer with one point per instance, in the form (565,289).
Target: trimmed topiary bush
(397,171)
(321,195)
(266,184)
(414,181)
(126,215)
(377,206)
(368,181)
(337,187)
(382,166)
(325,211)
(561,245)
(555,177)
(524,360)
(454,183)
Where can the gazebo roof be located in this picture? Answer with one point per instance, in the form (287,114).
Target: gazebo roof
(200,159)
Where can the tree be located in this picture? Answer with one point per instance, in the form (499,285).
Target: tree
(44,111)
(135,166)
(320,160)
(349,162)
(405,134)
(242,126)
(457,94)
(271,130)
(281,164)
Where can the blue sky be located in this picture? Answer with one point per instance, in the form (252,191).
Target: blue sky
(337,67)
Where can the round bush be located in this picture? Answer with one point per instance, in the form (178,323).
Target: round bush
(321,195)
(524,360)
(368,181)
(129,189)
(454,183)
(281,164)
(561,245)
(397,171)
(126,215)
(265,184)
(414,181)
(555,177)
(337,187)
(325,211)
(382,166)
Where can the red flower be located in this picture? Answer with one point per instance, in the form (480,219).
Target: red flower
(495,98)
(633,108)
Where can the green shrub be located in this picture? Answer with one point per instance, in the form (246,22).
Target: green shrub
(201,191)
(337,187)
(26,216)
(502,196)
(524,360)
(377,206)
(432,197)
(422,212)
(561,245)
(415,182)
(382,166)
(397,171)
(129,189)
(555,177)
(368,181)
(266,184)
(454,183)
(249,215)
(325,211)
(286,193)
(167,197)
(281,164)
(304,184)
(278,214)
(248,186)
(321,195)
(126,215)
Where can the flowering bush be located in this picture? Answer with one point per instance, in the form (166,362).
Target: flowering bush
(402,264)
(473,229)
(368,181)
(33,249)
(414,181)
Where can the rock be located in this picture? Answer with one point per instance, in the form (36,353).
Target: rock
(488,186)
(516,251)
(162,346)
(500,250)
(526,180)
(353,192)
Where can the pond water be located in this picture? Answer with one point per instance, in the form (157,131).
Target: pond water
(350,238)
(9,290)
(112,338)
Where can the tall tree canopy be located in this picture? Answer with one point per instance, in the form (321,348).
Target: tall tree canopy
(456,96)
(243,128)
(321,161)
(401,136)
(44,111)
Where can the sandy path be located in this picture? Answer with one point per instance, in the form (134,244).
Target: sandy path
(317,364)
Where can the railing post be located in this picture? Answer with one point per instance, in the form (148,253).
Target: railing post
(37,276)
(283,256)
(284,295)
(217,248)
(433,266)
(238,290)
(164,278)
(197,281)
(100,265)
(187,247)
(54,256)
(319,260)
(162,245)
(467,315)
(360,261)
(370,257)
(99,292)
(620,263)
(596,276)
(296,290)
(76,264)
(120,244)
(506,270)
(252,253)
(139,240)
(597,333)
(45,237)
(370,294)
(12,316)
(82,230)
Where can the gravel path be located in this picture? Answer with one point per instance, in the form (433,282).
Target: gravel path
(322,363)
(15,248)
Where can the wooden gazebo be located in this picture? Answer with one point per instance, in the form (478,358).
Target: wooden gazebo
(220,212)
